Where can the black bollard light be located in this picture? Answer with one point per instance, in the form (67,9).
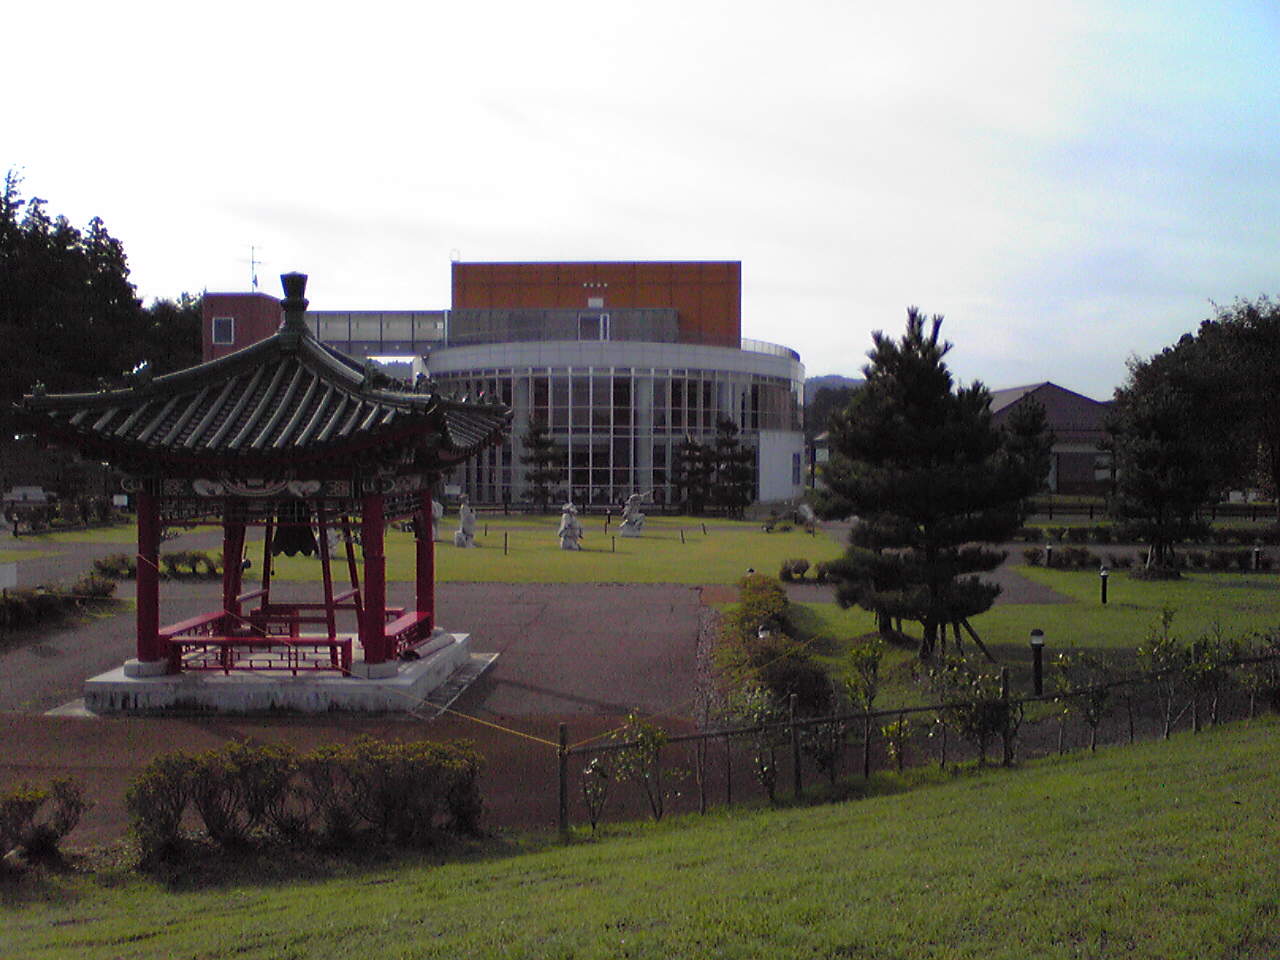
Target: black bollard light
(1048,554)
(1102,576)
(1037,661)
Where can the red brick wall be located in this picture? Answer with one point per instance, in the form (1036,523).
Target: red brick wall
(707,294)
(256,315)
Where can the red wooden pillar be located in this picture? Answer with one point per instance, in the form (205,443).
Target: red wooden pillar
(425,568)
(232,571)
(373,624)
(148,580)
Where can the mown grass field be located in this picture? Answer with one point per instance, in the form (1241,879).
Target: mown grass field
(1237,604)
(1166,850)
(13,556)
(721,555)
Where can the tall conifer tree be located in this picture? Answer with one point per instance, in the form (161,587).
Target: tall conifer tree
(930,480)
(543,462)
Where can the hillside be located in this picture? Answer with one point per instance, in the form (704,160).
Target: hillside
(1166,850)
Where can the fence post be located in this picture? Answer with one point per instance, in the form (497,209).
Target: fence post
(728,772)
(795,747)
(866,746)
(562,756)
(504,543)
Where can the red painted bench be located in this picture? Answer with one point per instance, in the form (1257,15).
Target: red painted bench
(410,631)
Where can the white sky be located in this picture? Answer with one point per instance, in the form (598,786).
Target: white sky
(1069,183)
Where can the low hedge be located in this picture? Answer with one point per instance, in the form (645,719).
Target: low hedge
(175,565)
(22,609)
(406,793)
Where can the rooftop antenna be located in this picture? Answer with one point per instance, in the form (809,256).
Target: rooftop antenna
(254,264)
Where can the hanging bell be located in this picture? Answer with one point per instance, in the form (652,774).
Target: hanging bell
(293,531)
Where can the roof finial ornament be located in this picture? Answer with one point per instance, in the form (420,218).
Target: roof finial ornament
(294,303)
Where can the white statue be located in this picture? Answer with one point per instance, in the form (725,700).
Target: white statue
(632,518)
(466,532)
(570,532)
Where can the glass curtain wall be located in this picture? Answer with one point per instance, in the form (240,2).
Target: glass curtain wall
(616,426)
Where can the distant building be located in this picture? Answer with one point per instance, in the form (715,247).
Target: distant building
(622,360)
(1078,463)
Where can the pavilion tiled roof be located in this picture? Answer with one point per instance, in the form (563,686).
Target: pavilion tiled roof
(287,400)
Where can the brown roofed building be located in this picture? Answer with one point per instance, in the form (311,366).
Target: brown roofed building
(1079,464)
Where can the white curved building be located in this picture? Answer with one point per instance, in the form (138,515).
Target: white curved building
(622,361)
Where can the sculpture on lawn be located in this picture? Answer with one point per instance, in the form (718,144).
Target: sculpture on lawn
(465,536)
(632,518)
(570,532)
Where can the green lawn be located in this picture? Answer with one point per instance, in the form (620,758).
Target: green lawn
(1165,850)
(120,533)
(14,556)
(721,555)
(1238,604)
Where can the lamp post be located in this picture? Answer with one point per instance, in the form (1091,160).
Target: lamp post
(1037,661)
(1102,576)
(1048,554)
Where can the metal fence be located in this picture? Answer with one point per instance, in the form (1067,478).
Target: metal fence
(841,753)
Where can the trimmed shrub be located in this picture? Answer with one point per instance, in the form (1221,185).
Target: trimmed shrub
(117,566)
(92,587)
(1102,534)
(1077,534)
(1033,555)
(242,788)
(156,801)
(18,807)
(66,806)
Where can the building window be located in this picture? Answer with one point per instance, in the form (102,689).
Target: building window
(795,469)
(224,330)
(593,326)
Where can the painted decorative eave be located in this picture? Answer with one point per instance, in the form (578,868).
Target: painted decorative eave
(285,401)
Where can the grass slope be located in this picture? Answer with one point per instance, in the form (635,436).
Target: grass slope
(1166,850)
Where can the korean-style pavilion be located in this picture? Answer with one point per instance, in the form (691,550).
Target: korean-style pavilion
(295,438)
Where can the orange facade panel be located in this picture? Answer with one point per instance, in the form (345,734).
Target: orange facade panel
(706,294)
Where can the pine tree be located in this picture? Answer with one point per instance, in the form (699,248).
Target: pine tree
(543,461)
(731,472)
(691,476)
(930,479)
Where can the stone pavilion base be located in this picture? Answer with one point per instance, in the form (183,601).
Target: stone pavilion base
(407,686)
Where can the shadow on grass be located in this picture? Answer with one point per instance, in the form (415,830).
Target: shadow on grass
(200,864)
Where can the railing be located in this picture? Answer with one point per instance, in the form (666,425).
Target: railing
(773,349)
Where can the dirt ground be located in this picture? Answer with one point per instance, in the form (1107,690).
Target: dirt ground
(583,655)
